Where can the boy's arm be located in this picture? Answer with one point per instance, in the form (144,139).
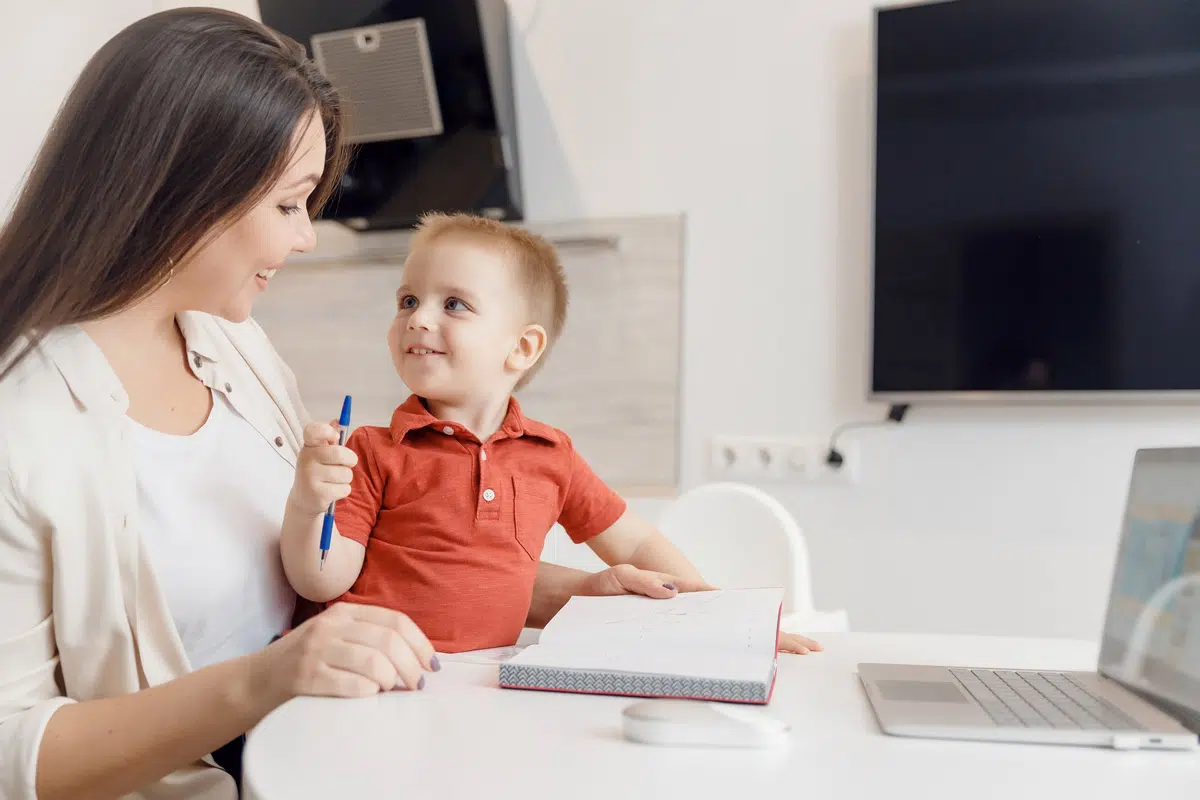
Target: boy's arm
(633,540)
(325,472)
(556,584)
(300,544)
(593,513)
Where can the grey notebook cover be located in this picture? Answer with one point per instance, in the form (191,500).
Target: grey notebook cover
(515,676)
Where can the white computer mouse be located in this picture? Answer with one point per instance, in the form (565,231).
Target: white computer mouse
(694,723)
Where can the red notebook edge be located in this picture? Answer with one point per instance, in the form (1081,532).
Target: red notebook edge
(775,662)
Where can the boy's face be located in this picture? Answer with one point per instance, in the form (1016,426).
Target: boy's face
(460,321)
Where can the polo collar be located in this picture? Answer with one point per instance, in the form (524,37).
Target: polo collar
(412,415)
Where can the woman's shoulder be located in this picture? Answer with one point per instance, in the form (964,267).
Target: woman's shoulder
(45,397)
(38,380)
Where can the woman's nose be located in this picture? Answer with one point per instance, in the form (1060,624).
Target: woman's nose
(306,239)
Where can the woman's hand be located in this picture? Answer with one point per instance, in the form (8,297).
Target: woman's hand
(348,650)
(323,470)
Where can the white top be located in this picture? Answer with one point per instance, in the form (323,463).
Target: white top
(210,508)
(84,613)
(462,737)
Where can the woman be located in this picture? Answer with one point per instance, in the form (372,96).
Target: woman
(148,431)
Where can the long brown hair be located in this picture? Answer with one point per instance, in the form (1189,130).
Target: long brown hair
(176,127)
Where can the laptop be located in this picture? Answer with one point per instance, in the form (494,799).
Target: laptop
(1145,691)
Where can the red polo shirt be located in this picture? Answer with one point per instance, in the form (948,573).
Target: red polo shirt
(454,527)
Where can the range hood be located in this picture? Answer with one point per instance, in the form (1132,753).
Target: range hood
(428,89)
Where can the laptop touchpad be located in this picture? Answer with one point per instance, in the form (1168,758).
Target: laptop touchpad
(897,691)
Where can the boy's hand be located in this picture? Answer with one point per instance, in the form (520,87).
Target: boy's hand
(323,470)
(628,579)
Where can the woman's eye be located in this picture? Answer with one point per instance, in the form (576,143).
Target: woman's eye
(287,210)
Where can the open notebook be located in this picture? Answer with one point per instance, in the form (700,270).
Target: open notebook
(718,645)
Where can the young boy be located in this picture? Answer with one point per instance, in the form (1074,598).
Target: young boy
(444,513)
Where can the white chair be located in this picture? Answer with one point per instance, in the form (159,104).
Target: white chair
(739,536)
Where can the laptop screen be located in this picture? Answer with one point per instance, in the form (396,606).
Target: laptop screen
(1151,638)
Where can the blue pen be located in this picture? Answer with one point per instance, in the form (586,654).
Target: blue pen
(327,526)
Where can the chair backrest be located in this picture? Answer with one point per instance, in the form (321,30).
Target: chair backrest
(739,536)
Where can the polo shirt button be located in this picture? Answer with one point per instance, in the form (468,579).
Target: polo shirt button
(448,430)
(483,455)
(228,388)
(279,441)
(489,495)
(196,361)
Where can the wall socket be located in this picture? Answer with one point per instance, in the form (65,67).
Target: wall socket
(771,459)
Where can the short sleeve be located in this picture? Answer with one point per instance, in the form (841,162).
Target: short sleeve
(590,506)
(355,516)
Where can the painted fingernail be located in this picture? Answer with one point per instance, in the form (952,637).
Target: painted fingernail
(421,683)
(670,586)
(434,664)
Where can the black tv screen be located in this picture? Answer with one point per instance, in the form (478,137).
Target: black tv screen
(1036,221)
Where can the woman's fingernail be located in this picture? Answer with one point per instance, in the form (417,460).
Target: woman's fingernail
(670,587)
(434,664)
(421,683)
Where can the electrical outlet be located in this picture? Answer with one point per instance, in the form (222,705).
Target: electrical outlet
(739,457)
(777,459)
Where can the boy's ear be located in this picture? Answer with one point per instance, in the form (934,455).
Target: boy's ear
(528,350)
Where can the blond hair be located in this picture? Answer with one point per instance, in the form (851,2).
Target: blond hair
(540,274)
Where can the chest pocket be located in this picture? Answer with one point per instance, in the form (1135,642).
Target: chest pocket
(535,506)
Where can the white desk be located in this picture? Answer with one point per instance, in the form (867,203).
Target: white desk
(463,738)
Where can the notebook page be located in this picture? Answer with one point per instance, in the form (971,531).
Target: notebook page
(731,620)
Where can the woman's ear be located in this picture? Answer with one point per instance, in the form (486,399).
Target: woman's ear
(528,350)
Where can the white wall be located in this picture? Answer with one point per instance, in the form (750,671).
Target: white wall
(753,118)
(247,7)
(43,47)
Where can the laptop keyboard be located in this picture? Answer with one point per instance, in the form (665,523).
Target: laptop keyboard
(1041,700)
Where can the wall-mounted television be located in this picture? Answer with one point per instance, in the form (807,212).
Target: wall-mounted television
(1036,209)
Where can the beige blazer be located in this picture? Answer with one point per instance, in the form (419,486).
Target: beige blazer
(81,616)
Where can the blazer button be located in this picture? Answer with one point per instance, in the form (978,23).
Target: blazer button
(228,388)
(279,441)
(196,361)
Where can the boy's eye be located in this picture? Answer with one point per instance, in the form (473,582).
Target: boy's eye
(454,304)
(408,301)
